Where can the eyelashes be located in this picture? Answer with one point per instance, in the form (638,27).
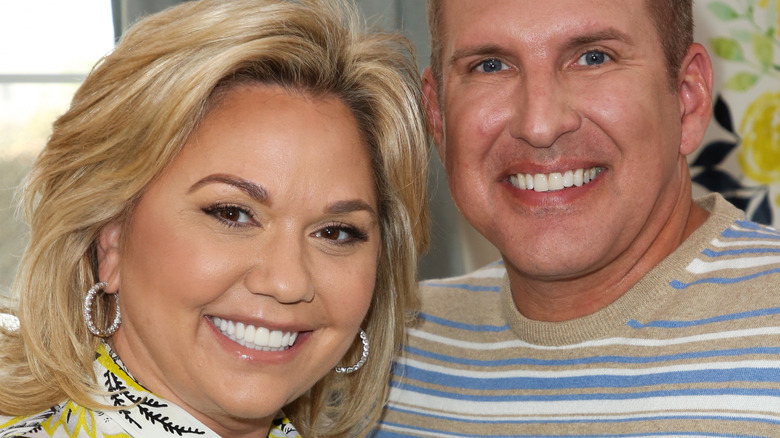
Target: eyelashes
(342,234)
(231,215)
(236,216)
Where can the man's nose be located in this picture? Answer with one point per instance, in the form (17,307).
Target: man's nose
(543,110)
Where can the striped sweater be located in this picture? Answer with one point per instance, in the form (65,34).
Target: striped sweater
(693,349)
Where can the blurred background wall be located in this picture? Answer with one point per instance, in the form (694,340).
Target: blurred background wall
(739,158)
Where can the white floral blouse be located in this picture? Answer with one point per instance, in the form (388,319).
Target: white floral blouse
(146,415)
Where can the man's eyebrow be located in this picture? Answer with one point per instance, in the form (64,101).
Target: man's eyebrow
(348,206)
(577,41)
(487,50)
(610,34)
(256,191)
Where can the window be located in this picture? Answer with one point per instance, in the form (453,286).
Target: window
(47,47)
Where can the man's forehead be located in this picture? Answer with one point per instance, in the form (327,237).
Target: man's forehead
(498,22)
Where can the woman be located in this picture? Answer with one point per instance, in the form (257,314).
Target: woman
(231,208)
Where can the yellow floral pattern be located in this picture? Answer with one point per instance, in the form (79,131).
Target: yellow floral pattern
(74,419)
(759,156)
(139,413)
(743,161)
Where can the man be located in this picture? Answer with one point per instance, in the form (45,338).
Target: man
(622,306)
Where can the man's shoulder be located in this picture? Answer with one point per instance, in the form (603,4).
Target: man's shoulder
(446,297)
(729,251)
(488,275)
(488,278)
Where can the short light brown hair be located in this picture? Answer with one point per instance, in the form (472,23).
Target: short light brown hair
(129,120)
(673,20)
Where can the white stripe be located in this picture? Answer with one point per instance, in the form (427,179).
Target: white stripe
(497,272)
(599,415)
(721,244)
(589,372)
(699,266)
(599,409)
(736,227)
(483,346)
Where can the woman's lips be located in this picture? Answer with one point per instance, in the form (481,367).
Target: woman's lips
(256,338)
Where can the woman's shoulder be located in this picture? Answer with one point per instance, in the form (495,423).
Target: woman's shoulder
(66,420)
(26,426)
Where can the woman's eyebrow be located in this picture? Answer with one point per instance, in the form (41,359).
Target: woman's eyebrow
(348,206)
(254,190)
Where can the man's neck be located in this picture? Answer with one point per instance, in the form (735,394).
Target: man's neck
(563,300)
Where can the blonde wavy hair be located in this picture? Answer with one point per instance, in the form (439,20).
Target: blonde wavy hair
(129,120)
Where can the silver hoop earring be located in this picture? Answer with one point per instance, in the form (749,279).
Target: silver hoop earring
(363,358)
(91,294)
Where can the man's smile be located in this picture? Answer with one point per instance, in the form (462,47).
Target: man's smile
(548,182)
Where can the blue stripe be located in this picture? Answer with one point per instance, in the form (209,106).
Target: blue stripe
(687,392)
(462,326)
(384,433)
(756,226)
(743,374)
(762,234)
(721,280)
(463,286)
(683,324)
(733,252)
(593,359)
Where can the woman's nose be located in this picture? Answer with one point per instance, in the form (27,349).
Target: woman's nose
(283,271)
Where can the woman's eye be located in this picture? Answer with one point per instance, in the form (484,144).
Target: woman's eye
(333,233)
(490,66)
(230,214)
(593,57)
(343,235)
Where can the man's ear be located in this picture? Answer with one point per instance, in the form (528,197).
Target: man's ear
(432,110)
(109,256)
(695,97)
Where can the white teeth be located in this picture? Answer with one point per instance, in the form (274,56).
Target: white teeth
(568,178)
(542,182)
(275,340)
(261,336)
(555,181)
(257,338)
(578,177)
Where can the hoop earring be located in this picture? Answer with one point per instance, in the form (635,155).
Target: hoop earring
(363,358)
(91,294)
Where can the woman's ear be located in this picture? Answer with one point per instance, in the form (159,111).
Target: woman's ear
(109,256)
(695,97)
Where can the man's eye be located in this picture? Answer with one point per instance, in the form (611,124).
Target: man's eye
(593,57)
(490,66)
